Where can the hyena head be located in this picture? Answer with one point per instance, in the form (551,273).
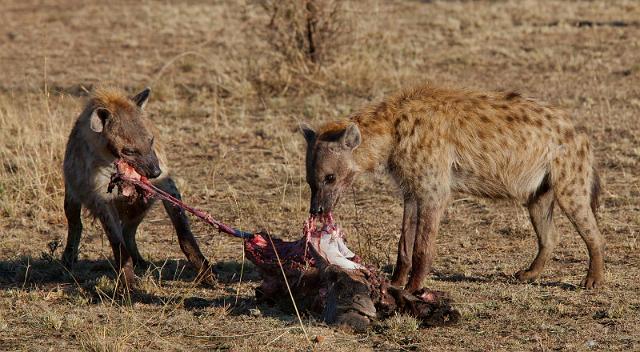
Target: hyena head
(122,132)
(331,167)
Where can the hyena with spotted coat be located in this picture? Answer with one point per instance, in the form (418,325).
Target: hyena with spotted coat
(434,141)
(113,126)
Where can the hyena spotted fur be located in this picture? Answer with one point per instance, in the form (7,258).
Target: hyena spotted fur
(434,141)
(113,126)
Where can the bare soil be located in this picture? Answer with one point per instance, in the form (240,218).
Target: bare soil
(227,108)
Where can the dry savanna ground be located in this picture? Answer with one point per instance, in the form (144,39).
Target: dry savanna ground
(227,100)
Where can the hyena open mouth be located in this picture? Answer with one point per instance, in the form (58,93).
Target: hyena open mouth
(324,275)
(126,178)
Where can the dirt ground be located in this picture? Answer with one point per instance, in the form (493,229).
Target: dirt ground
(228,106)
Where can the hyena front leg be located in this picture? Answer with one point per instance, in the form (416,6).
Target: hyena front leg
(72,210)
(187,241)
(541,213)
(429,213)
(407,239)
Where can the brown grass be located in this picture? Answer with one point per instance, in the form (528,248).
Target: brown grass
(229,122)
(306,33)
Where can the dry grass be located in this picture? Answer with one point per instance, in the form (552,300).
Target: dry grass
(306,33)
(229,121)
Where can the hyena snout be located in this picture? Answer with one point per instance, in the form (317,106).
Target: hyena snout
(147,166)
(315,208)
(154,172)
(322,202)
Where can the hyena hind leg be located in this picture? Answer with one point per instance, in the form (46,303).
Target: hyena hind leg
(577,207)
(129,230)
(541,214)
(122,258)
(577,187)
(72,210)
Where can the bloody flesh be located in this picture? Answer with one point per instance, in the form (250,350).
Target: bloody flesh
(321,284)
(324,275)
(127,180)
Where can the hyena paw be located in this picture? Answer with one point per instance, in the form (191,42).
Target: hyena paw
(68,259)
(127,278)
(526,275)
(592,282)
(398,282)
(207,277)
(141,264)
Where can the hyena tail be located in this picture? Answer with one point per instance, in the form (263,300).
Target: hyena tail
(596,188)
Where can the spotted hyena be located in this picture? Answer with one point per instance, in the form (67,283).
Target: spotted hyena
(434,141)
(113,126)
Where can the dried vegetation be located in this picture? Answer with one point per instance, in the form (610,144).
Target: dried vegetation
(230,83)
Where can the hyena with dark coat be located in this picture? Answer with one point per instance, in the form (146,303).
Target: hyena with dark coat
(433,141)
(111,127)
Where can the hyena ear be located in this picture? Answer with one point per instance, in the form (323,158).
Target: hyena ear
(98,119)
(308,132)
(141,98)
(351,137)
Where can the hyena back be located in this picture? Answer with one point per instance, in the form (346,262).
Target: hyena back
(434,141)
(111,127)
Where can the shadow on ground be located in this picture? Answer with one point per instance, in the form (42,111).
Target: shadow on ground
(97,282)
(246,306)
(499,278)
(28,273)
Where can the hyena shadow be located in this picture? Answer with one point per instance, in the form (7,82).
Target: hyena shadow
(498,278)
(245,305)
(240,301)
(97,280)
(28,271)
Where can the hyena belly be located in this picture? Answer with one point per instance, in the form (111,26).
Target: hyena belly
(497,178)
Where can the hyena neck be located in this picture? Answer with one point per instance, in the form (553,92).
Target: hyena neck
(373,153)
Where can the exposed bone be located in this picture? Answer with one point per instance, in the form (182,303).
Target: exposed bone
(328,244)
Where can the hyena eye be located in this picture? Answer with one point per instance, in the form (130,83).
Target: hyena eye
(329,179)
(128,152)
